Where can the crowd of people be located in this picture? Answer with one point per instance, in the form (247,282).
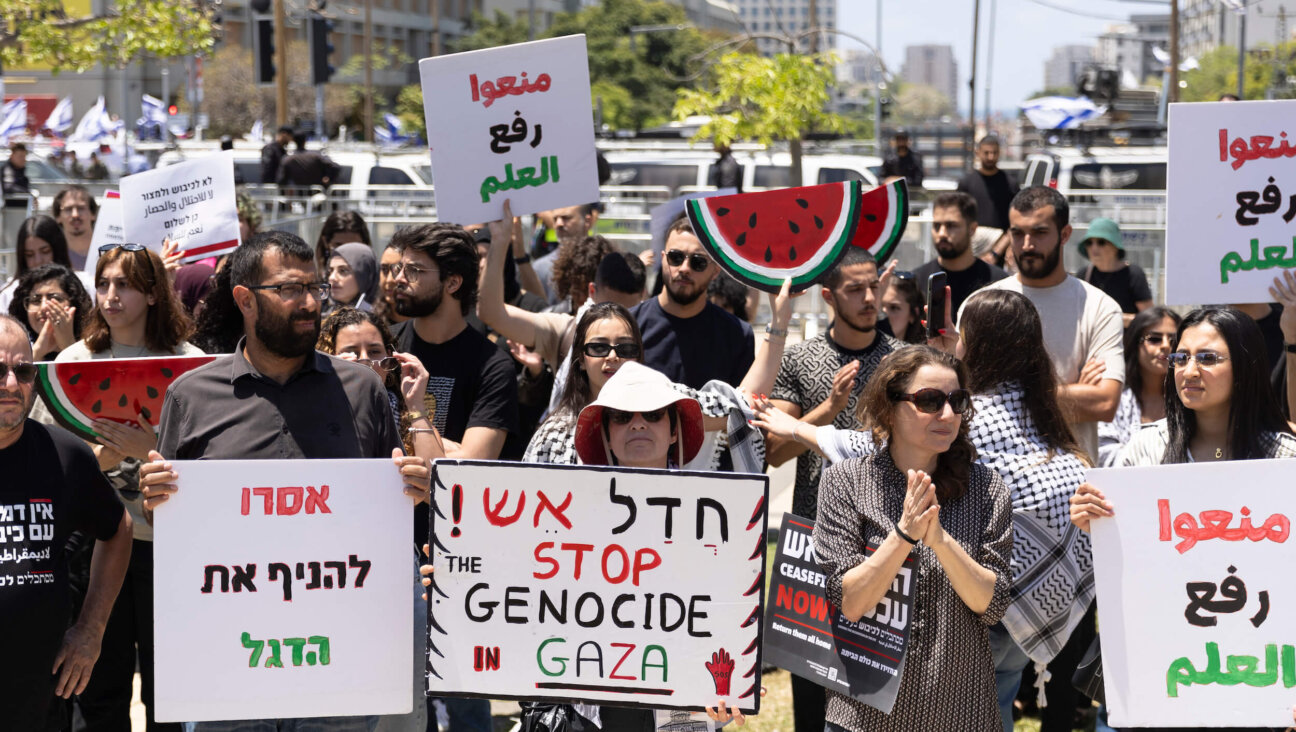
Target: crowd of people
(966,451)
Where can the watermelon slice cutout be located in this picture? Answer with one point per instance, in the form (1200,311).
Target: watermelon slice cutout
(118,389)
(761,239)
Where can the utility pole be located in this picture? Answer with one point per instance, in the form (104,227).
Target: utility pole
(1241,74)
(813,9)
(880,85)
(976,31)
(281,62)
(368,66)
(1174,51)
(530,19)
(989,73)
(436,27)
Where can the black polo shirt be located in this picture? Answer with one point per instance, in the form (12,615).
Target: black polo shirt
(226,410)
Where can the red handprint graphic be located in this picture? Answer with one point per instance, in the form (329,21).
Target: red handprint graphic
(721,668)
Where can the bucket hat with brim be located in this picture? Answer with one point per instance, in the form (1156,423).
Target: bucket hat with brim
(637,388)
(1104,229)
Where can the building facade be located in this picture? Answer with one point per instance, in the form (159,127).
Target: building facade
(789,21)
(934,66)
(1063,68)
(1128,47)
(1205,25)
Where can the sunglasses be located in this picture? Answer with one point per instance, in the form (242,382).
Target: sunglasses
(1157,339)
(1205,359)
(25,373)
(932,401)
(598,349)
(128,247)
(616,416)
(697,262)
(387,364)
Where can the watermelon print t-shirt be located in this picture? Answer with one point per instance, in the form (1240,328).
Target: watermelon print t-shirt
(52,486)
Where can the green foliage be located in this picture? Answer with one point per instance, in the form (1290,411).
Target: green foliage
(764,99)
(920,103)
(40,33)
(617,103)
(409,107)
(237,102)
(1217,74)
(490,32)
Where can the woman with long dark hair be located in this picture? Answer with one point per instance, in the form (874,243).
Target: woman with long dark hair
(51,303)
(1149,339)
(40,240)
(903,304)
(341,227)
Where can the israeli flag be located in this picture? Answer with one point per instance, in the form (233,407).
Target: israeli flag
(390,132)
(153,109)
(60,120)
(258,131)
(94,124)
(1060,113)
(13,118)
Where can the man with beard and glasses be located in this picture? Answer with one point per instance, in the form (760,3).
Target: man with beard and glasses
(52,487)
(954,223)
(572,225)
(1082,325)
(685,335)
(276,398)
(819,381)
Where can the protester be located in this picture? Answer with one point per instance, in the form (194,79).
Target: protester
(50,655)
(341,227)
(1283,291)
(305,168)
(263,401)
(249,216)
(954,226)
(76,211)
(96,170)
(273,153)
(685,336)
(1082,325)
(1108,271)
(352,277)
(903,305)
(74,169)
(725,171)
(219,323)
(570,225)
(39,241)
(993,190)
(923,487)
(731,296)
(386,307)
(193,282)
(50,301)
(13,176)
(137,314)
(1149,339)
(904,162)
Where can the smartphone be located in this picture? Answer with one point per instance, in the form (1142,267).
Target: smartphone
(935,304)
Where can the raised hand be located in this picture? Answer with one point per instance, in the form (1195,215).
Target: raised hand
(721,667)
(1087,504)
(920,506)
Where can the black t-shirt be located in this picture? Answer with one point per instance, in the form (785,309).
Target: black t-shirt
(1127,285)
(52,486)
(993,194)
(1275,348)
(692,351)
(961,284)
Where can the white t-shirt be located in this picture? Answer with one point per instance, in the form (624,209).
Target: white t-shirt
(1080,323)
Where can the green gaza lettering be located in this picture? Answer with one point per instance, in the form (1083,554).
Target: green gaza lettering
(550,664)
(1279,662)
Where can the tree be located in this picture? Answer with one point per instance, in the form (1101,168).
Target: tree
(765,99)
(232,109)
(500,30)
(42,33)
(920,103)
(1216,73)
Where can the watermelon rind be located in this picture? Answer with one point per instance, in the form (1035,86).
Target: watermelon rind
(897,193)
(770,279)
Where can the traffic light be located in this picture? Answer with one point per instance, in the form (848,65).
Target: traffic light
(173,110)
(321,47)
(264,51)
(884,106)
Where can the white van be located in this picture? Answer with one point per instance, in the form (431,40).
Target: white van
(678,169)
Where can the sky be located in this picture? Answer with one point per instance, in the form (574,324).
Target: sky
(1025,33)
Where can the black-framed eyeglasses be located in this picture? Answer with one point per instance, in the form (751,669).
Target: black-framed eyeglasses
(388,270)
(388,364)
(1204,359)
(597,349)
(697,262)
(1156,339)
(25,373)
(128,247)
(37,299)
(294,290)
(616,416)
(932,401)
(412,272)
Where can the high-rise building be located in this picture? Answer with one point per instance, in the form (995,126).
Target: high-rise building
(859,67)
(934,66)
(1128,47)
(791,21)
(707,15)
(1065,65)
(1205,25)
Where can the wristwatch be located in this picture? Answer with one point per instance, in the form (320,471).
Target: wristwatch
(770,329)
(522,259)
(1291,347)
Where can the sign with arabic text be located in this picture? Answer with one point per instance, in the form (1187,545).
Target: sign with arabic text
(192,203)
(636,588)
(1230,201)
(512,122)
(282,588)
(1195,599)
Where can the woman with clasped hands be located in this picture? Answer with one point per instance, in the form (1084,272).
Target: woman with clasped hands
(920,495)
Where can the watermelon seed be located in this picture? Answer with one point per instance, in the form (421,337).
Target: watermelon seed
(96,407)
(792,253)
(818,222)
(153,393)
(742,239)
(769,255)
(145,412)
(803,203)
(166,372)
(122,402)
(74,378)
(795,229)
(722,211)
(871,217)
(751,220)
(103,385)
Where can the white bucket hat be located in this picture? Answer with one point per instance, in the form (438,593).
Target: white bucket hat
(638,388)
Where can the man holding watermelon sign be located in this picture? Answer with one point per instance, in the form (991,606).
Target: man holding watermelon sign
(52,487)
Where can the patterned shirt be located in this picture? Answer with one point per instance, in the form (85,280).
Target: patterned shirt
(805,378)
(948,681)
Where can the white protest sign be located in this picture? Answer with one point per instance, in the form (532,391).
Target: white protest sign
(282,588)
(1195,601)
(108,229)
(512,122)
(1230,225)
(628,587)
(190,202)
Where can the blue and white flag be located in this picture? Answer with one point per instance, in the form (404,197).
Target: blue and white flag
(153,109)
(1060,113)
(60,120)
(95,124)
(13,118)
(258,131)
(389,133)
